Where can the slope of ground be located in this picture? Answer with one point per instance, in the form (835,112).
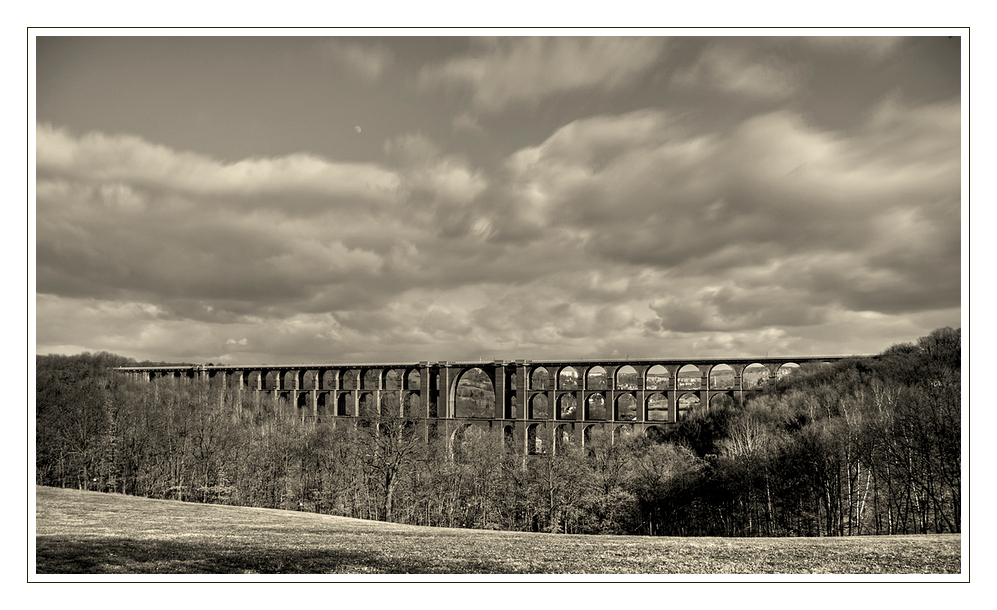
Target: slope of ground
(91,533)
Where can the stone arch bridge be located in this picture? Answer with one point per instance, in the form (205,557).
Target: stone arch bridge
(533,404)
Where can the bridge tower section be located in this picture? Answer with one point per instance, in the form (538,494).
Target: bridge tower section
(499,385)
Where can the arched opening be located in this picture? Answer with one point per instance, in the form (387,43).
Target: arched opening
(621,433)
(309,380)
(414,380)
(567,406)
(253,380)
(567,379)
(688,405)
(413,404)
(722,377)
(721,401)
(627,378)
(302,402)
(323,404)
(754,376)
(368,406)
(391,404)
(787,369)
(540,379)
(217,379)
(392,380)
(655,434)
(689,377)
(461,441)
(539,409)
(351,380)
(595,407)
(596,378)
(371,380)
(223,379)
(475,395)
(656,378)
(345,407)
(626,408)
(330,380)
(657,407)
(271,381)
(288,380)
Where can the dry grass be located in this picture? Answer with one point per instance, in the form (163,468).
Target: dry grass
(91,533)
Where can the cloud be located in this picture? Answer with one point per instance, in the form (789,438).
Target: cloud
(467,123)
(426,169)
(732,69)
(857,221)
(96,157)
(734,306)
(121,218)
(507,71)
(619,234)
(875,47)
(368,61)
(437,186)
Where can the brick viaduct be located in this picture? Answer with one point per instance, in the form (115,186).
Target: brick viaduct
(532,403)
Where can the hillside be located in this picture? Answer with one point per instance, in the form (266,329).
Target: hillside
(82,532)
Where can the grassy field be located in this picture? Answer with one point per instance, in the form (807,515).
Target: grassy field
(92,533)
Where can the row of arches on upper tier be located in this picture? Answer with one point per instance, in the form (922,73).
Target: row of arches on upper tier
(474,395)
(326,379)
(657,377)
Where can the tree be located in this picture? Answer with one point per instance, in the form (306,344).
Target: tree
(390,444)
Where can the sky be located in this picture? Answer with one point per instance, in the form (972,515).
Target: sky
(350,199)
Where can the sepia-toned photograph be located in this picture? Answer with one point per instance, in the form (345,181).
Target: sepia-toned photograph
(570,305)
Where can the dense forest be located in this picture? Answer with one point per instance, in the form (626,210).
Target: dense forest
(863,446)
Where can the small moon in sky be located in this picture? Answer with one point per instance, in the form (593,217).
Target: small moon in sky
(357,128)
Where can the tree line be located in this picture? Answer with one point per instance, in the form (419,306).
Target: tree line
(863,446)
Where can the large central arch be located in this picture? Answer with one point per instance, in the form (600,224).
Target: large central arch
(475,396)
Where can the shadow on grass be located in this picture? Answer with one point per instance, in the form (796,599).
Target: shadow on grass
(64,555)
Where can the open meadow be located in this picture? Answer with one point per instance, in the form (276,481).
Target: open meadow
(81,532)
